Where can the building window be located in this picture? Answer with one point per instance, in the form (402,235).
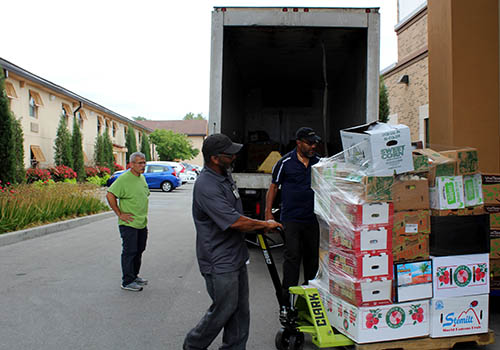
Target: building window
(10,90)
(99,125)
(35,101)
(66,112)
(114,129)
(140,136)
(125,129)
(423,116)
(79,119)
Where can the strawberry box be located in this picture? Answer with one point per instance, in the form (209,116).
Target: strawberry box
(358,215)
(360,266)
(455,316)
(362,240)
(460,275)
(365,292)
(378,323)
(413,280)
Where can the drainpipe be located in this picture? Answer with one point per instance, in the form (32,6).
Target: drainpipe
(76,110)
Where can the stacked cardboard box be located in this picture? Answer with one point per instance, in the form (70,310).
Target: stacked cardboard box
(355,199)
(430,207)
(491,194)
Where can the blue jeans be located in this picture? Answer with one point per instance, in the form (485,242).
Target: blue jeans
(133,245)
(229,310)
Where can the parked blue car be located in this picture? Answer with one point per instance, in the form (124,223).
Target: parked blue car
(157,176)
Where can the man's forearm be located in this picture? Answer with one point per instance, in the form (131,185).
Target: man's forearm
(246,224)
(270,197)
(113,203)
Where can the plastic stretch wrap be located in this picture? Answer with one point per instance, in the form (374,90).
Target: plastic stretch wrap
(355,212)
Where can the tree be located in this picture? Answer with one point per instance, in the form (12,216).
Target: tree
(7,161)
(383,107)
(99,156)
(145,147)
(17,132)
(171,145)
(62,144)
(77,151)
(130,142)
(190,116)
(138,118)
(107,145)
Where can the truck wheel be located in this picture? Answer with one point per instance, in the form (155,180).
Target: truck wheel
(166,186)
(286,340)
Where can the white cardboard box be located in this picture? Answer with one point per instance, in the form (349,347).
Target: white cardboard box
(473,190)
(459,315)
(460,275)
(448,193)
(380,323)
(413,280)
(384,148)
(364,240)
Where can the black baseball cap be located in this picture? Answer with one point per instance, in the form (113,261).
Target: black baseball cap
(219,143)
(308,134)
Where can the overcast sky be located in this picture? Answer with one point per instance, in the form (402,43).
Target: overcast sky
(149,58)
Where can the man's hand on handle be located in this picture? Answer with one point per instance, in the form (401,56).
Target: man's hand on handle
(272,226)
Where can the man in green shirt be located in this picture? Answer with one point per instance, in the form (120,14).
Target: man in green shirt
(132,192)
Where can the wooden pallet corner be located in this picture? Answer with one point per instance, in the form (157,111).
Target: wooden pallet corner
(430,343)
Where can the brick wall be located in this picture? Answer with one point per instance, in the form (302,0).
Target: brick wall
(406,100)
(412,37)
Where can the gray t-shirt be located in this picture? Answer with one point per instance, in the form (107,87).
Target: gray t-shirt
(216,206)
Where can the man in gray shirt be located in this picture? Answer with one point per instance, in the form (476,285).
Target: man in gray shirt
(221,248)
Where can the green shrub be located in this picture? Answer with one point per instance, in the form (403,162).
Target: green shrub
(98,180)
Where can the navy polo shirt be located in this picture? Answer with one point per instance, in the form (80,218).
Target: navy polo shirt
(219,248)
(297,197)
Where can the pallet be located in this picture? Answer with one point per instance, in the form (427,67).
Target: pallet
(430,343)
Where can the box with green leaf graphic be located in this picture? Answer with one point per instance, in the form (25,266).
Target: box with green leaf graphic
(378,188)
(420,163)
(467,160)
(473,191)
(448,193)
(439,165)
(495,248)
(491,189)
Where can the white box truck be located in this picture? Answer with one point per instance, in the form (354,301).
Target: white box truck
(276,69)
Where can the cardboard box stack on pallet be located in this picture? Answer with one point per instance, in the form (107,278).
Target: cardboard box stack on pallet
(374,202)
(491,194)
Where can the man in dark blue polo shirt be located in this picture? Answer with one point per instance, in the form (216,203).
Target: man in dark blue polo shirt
(293,174)
(221,249)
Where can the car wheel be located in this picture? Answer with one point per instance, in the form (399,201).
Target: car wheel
(166,186)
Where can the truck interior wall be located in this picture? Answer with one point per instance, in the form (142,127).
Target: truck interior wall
(273,82)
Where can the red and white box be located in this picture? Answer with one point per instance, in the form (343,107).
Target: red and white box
(373,240)
(360,266)
(360,215)
(460,275)
(383,323)
(364,292)
(456,316)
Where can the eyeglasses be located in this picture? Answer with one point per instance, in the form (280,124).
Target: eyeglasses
(225,155)
(141,163)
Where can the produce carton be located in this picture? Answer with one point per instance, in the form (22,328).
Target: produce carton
(411,222)
(377,188)
(362,215)
(455,316)
(420,162)
(459,235)
(460,275)
(448,193)
(365,292)
(410,247)
(494,268)
(494,212)
(385,148)
(380,323)
(410,194)
(439,165)
(359,266)
(413,280)
(478,210)
(491,189)
(473,191)
(495,248)
(362,240)
(466,158)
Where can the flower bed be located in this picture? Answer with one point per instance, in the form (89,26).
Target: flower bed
(25,206)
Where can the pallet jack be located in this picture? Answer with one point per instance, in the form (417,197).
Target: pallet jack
(306,314)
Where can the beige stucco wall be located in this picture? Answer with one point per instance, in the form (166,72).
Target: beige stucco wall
(197,142)
(412,38)
(41,131)
(407,100)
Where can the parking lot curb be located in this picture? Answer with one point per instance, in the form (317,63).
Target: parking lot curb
(22,235)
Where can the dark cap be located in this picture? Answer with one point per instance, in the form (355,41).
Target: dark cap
(308,134)
(219,143)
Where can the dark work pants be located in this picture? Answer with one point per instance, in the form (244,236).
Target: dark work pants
(229,311)
(301,243)
(133,245)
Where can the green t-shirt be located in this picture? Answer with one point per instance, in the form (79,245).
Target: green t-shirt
(132,192)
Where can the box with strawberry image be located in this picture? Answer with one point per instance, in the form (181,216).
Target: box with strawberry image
(461,275)
(379,323)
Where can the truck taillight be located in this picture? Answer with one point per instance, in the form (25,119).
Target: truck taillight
(257,208)
(295,9)
(285,9)
(368,10)
(223,9)
(306,10)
